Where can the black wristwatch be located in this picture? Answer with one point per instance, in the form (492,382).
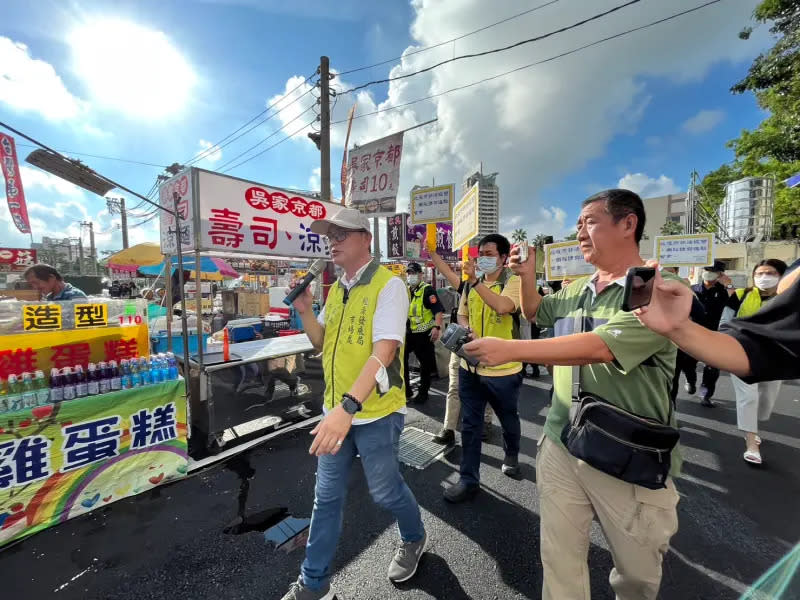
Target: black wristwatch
(350,404)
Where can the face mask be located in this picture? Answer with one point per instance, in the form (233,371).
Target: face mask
(381,377)
(487,264)
(412,280)
(766,282)
(710,276)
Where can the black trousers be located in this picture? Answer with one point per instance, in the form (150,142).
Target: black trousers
(422,346)
(688,366)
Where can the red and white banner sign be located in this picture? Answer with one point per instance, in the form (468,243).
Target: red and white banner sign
(181,185)
(16,260)
(373,176)
(249,218)
(14,193)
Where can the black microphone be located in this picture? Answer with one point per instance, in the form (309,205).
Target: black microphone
(313,272)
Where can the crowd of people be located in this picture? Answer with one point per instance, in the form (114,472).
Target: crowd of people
(609,450)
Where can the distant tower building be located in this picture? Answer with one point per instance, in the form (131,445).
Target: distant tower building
(488,201)
(746,212)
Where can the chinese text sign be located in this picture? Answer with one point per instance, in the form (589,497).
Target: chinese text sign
(465,218)
(565,259)
(432,205)
(373,175)
(695,250)
(181,185)
(14,192)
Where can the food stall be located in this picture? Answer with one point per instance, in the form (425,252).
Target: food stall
(264,384)
(87,415)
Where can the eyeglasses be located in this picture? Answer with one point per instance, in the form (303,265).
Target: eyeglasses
(337,234)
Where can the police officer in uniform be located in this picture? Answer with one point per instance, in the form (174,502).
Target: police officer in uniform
(425,316)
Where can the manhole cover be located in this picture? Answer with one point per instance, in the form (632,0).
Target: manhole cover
(417,448)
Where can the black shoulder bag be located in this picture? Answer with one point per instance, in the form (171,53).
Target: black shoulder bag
(624,445)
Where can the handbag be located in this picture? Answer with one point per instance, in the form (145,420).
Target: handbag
(627,446)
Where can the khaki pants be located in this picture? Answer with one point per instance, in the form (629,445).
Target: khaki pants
(637,522)
(452,408)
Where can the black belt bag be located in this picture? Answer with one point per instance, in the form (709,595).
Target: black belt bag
(626,446)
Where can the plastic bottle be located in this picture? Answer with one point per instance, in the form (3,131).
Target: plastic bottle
(69,383)
(104,378)
(56,386)
(136,376)
(172,366)
(92,380)
(155,370)
(125,374)
(144,371)
(162,366)
(28,391)
(81,388)
(14,393)
(42,390)
(114,376)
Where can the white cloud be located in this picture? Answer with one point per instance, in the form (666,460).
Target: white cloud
(648,187)
(314,180)
(214,153)
(704,121)
(28,84)
(34,178)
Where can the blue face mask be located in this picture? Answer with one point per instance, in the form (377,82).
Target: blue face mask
(487,264)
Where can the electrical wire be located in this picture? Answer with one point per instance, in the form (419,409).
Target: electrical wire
(495,50)
(70,152)
(225,141)
(254,146)
(291,135)
(534,64)
(455,39)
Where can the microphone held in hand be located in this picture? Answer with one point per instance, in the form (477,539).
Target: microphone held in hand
(313,272)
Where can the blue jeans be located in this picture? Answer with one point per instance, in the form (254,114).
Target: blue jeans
(378,444)
(502,393)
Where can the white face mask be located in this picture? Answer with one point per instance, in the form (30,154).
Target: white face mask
(381,377)
(766,282)
(412,280)
(487,264)
(709,276)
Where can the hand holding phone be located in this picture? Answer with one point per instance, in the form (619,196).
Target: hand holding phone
(638,287)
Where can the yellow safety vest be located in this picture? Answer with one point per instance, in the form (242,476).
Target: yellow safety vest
(751,303)
(348,344)
(421,318)
(485,322)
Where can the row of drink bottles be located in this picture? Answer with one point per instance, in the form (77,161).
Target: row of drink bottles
(28,390)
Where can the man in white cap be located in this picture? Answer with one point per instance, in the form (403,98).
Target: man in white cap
(360,333)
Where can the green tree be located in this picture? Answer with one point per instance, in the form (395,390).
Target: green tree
(519,236)
(671,228)
(571,237)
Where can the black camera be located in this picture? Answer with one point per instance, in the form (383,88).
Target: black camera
(453,338)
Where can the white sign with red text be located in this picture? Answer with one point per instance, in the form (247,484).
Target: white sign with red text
(250,218)
(373,176)
(181,185)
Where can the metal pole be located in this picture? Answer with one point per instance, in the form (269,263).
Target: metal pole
(92,249)
(168,298)
(376,238)
(181,282)
(198,294)
(325,128)
(124,217)
(80,252)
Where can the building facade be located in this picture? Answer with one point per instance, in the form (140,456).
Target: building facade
(658,211)
(746,213)
(488,201)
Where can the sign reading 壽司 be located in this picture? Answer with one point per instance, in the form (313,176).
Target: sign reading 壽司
(16,259)
(373,175)
(565,259)
(465,218)
(692,250)
(432,205)
(396,235)
(182,185)
(244,217)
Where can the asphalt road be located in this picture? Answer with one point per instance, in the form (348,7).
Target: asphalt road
(177,541)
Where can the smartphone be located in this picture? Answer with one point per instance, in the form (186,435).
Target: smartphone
(523,252)
(638,287)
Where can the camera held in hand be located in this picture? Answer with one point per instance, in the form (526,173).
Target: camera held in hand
(454,338)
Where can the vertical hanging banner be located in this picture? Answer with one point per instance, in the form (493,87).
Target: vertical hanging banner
(416,248)
(344,153)
(373,176)
(14,192)
(182,185)
(396,235)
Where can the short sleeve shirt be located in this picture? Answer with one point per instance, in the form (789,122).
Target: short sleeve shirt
(640,376)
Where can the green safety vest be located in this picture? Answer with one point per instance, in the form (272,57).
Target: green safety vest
(421,318)
(485,322)
(348,344)
(751,303)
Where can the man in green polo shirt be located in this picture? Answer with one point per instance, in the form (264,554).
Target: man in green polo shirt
(622,362)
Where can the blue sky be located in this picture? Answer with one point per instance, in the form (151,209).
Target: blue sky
(158,81)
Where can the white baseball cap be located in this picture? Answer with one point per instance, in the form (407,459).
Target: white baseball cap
(346,218)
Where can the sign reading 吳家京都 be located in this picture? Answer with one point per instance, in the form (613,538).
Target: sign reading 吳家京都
(248,218)
(432,205)
(465,218)
(16,260)
(15,195)
(396,235)
(373,175)
(563,260)
(691,250)
(59,461)
(181,185)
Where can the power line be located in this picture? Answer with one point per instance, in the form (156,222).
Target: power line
(135,162)
(495,50)
(269,147)
(533,64)
(455,39)
(220,144)
(254,146)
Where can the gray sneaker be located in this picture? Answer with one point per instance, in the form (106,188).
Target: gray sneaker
(298,591)
(406,559)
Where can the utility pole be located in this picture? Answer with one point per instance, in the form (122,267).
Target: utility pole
(117,205)
(80,255)
(325,127)
(92,255)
